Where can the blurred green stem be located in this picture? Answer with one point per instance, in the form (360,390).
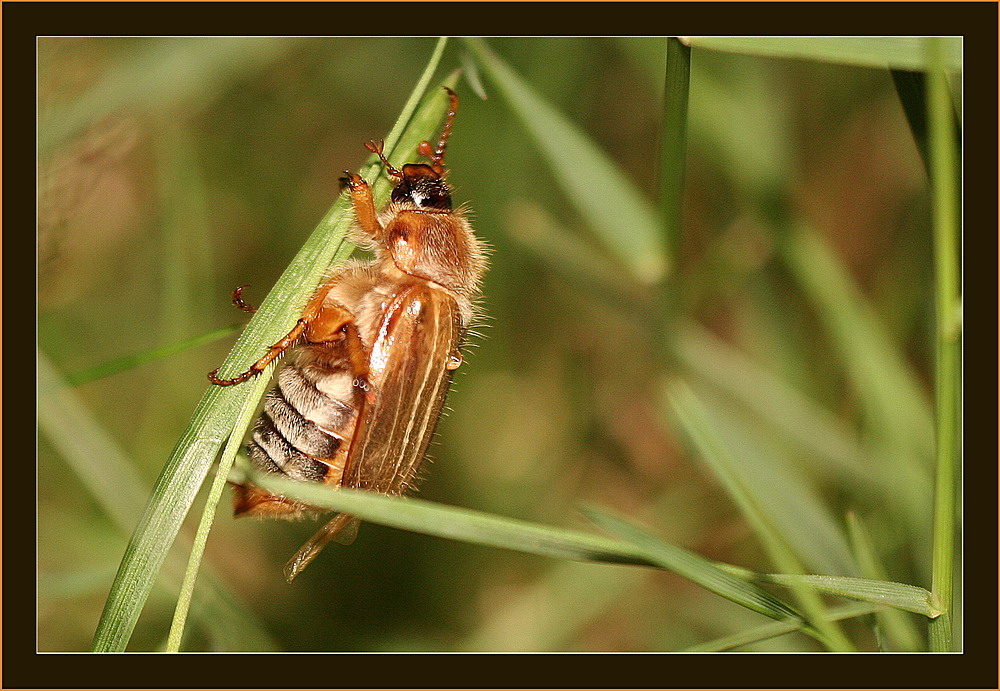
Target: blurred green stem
(673,147)
(944,185)
(106,369)
(778,628)
(673,141)
(173,644)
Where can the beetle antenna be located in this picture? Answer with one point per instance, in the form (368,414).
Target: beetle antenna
(377,148)
(437,157)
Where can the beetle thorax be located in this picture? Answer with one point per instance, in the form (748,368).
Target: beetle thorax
(439,247)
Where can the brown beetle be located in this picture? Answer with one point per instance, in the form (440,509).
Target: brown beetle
(357,403)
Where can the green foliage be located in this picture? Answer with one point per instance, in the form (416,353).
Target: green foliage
(665,217)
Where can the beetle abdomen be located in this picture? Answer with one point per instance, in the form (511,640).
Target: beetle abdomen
(303,431)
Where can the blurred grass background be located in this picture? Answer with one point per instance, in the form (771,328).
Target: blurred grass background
(172,170)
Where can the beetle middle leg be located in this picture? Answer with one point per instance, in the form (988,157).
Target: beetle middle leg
(336,323)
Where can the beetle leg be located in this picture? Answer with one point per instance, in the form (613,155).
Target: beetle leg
(239,302)
(363,202)
(313,309)
(336,323)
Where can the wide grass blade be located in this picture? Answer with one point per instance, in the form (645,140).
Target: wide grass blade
(112,480)
(620,216)
(692,417)
(944,156)
(127,362)
(214,418)
(777,628)
(900,52)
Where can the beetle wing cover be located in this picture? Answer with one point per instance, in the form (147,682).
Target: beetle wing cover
(408,368)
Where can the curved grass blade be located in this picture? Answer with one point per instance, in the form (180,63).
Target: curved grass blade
(212,423)
(242,423)
(497,531)
(900,52)
(620,216)
(112,480)
(127,362)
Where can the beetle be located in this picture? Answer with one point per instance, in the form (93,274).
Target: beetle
(372,355)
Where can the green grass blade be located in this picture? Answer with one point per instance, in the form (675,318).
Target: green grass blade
(777,628)
(694,567)
(176,633)
(110,477)
(127,362)
(694,420)
(673,141)
(212,423)
(948,337)
(167,72)
(900,52)
(496,531)
(896,413)
(898,628)
(619,215)
(909,598)
(453,523)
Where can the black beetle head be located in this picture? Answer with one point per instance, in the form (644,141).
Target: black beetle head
(423,187)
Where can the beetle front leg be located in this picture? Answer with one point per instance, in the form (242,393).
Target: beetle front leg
(363,202)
